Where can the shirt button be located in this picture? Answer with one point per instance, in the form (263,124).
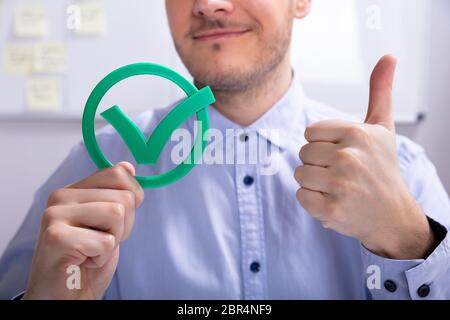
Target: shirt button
(248,180)
(390,286)
(423,291)
(255,267)
(244,137)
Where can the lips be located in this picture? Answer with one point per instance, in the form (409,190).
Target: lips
(219,34)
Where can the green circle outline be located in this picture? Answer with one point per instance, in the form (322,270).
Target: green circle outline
(128,71)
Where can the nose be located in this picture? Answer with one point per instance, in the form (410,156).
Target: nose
(212,8)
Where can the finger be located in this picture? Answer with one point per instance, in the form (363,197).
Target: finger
(311,201)
(102,216)
(380,100)
(313,178)
(69,196)
(79,244)
(128,166)
(333,131)
(102,260)
(318,153)
(119,177)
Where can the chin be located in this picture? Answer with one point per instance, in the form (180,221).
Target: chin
(215,69)
(222,70)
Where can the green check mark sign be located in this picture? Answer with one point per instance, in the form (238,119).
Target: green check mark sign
(147,151)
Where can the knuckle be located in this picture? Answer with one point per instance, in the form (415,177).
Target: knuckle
(117,211)
(302,198)
(140,196)
(50,216)
(108,242)
(54,234)
(335,186)
(129,198)
(358,132)
(302,152)
(298,174)
(353,131)
(119,173)
(346,158)
(309,132)
(56,197)
(299,195)
(341,187)
(349,161)
(341,157)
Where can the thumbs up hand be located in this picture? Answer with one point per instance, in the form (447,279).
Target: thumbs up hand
(351,182)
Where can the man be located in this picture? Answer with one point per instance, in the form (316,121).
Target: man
(369,221)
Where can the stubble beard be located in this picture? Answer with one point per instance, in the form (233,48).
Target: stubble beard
(236,79)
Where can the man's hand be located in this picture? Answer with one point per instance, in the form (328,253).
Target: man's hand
(83,226)
(350,178)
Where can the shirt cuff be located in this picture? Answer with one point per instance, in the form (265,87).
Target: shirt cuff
(410,279)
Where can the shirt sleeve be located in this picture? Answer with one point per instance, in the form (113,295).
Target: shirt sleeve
(422,278)
(15,263)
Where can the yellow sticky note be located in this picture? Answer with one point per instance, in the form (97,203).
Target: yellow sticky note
(18,59)
(50,58)
(43,94)
(31,20)
(89,18)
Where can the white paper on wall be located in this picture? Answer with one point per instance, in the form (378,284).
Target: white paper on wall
(31,20)
(43,94)
(88,18)
(50,58)
(18,59)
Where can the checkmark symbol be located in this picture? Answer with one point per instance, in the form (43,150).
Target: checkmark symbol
(147,151)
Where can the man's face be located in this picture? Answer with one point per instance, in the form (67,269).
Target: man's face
(233,44)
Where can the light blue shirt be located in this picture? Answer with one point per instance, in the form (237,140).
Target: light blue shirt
(212,236)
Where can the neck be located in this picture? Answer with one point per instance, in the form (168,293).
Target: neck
(245,107)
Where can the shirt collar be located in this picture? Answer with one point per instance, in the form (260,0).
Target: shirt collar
(278,124)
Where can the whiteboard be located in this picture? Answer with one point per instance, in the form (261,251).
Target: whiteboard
(136,31)
(333,52)
(337,46)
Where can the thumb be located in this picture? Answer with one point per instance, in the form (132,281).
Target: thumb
(127,166)
(380,99)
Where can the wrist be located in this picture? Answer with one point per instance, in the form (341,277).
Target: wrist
(410,238)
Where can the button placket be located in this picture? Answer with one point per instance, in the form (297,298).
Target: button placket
(251,246)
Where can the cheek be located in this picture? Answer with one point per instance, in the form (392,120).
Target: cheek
(178,15)
(266,12)
(269,14)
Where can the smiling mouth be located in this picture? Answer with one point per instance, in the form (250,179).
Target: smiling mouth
(218,35)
